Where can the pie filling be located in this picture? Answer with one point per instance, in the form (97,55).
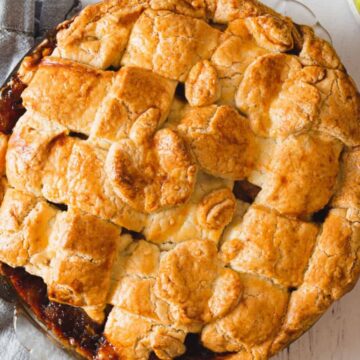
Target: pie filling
(180,179)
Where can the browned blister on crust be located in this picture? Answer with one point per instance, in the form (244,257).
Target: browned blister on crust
(154,174)
(221,140)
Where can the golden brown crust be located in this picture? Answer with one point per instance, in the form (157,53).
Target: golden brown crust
(123,106)
(44,161)
(193,8)
(281,99)
(333,271)
(135,337)
(204,216)
(3,149)
(28,150)
(98,36)
(221,140)
(22,222)
(170,44)
(228,10)
(91,191)
(54,100)
(76,262)
(306,305)
(302,175)
(217,209)
(243,42)
(335,264)
(140,259)
(153,175)
(271,32)
(262,82)
(241,329)
(54,177)
(340,113)
(316,51)
(202,86)
(195,285)
(279,249)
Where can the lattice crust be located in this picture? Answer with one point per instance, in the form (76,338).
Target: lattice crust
(143,118)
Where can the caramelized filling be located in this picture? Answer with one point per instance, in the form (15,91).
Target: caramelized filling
(11,108)
(245,191)
(72,326)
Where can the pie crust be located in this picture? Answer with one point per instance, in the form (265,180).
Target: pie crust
(180,179)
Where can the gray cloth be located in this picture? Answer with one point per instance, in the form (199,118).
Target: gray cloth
(9,344)
(22,22)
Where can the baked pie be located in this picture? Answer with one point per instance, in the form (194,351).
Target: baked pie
(180,179)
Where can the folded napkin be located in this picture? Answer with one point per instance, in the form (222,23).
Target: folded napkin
(22,23)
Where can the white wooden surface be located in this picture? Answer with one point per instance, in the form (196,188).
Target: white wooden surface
(337,334)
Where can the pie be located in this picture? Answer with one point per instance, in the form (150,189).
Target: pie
(180,179)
